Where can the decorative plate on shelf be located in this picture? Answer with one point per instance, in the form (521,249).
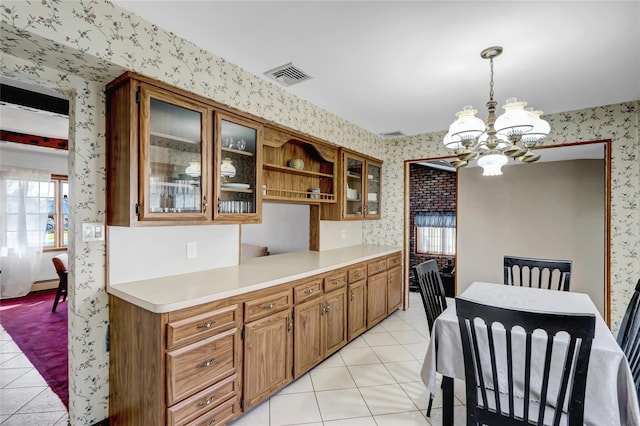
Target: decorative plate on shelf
(235,185)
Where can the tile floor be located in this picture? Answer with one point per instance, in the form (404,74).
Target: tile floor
(374,380)
(25,398)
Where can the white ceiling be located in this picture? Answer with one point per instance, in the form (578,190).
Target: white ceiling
(410,65)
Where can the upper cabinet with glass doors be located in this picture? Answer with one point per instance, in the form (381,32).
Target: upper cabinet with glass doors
(175,158)
(360,189)
(238,153)
(173,145)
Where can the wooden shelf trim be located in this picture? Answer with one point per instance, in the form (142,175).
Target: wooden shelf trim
(291,170)
(288,194)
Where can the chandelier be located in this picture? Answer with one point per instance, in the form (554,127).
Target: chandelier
(512,135)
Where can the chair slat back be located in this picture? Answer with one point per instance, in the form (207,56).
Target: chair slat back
(509,374)
(629,336)
(540,273)
(431,290)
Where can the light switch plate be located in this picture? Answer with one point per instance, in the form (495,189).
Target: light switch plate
(92,231)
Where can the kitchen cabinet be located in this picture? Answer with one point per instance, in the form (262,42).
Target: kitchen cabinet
(176,368)
(174,158)
(359,190)
(320,324)
(298,169)
(158,142)
(208,363)
(238,153)
(268,346)
(376,298)
(357,301)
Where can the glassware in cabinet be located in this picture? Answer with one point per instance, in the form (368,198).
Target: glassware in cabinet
(353,181)
(374,193)
(173,146)
(238,157)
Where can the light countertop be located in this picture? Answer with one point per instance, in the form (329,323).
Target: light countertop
(175,292)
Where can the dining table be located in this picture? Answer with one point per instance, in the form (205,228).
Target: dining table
(610,398)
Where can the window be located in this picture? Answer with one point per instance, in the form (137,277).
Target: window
(57,235)
(436,233)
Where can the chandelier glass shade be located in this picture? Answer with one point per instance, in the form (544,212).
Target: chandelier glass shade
(511,135)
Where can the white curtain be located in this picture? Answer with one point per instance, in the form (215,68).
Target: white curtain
(24,207)
(436,233)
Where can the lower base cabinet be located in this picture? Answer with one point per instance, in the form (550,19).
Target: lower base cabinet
(268,349)
(357,309)
(206,364)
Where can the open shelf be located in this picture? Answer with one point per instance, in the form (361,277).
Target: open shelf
(291,195)
(291,170)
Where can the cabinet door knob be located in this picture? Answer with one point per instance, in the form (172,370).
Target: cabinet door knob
(352,295)
(269,306)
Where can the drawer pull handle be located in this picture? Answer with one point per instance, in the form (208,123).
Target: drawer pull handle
(308,291)
(212,422)
(357,274)
(336,281)
(206,325)
(207,363)
(269,306)
(207,402)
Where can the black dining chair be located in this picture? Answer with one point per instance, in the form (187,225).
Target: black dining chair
(629,336)
(501,352)
(433,296)
(541,273)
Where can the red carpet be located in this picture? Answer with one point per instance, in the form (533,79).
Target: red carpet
(41,335)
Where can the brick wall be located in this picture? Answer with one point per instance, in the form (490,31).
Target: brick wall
(434,191)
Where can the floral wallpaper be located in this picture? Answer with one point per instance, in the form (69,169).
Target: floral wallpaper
(79,46)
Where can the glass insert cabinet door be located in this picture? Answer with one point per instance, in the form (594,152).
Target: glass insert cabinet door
(239,192)
(373,190)
(354,186)
(173,178)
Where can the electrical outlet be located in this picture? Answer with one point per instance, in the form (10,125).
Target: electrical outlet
(192,250)
(343,233)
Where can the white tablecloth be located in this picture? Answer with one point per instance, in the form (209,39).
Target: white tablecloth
(610,395)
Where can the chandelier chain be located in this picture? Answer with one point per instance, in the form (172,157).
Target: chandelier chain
(491,80)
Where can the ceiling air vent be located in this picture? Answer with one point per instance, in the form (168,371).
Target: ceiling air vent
(395,134)
(287,74)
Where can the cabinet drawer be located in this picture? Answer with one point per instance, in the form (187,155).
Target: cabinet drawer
(201,326)
(357,273)
(307,290)
(201,364)
(259,308)
(202,402)
(395,260)
(219,416)
(334,281)
(376,266)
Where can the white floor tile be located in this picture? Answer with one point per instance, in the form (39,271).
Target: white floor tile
(393,353)
(358,342)
(293,408)
(387,399)
(8,375)
(393,324)
(16,361)
(331,378)
(30,378)
(342,404)
(418,350)
(405,371)
(359,356)
(258,416)
(411,418)
(419,394)
(11,400)
(36,419)
(9,347)
(408,337)
(357,421)
(45,401)
(379,339)
(371,375)
(378,328)
(301,384)
(334,360)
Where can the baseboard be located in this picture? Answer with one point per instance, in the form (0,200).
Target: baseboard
(44,285)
